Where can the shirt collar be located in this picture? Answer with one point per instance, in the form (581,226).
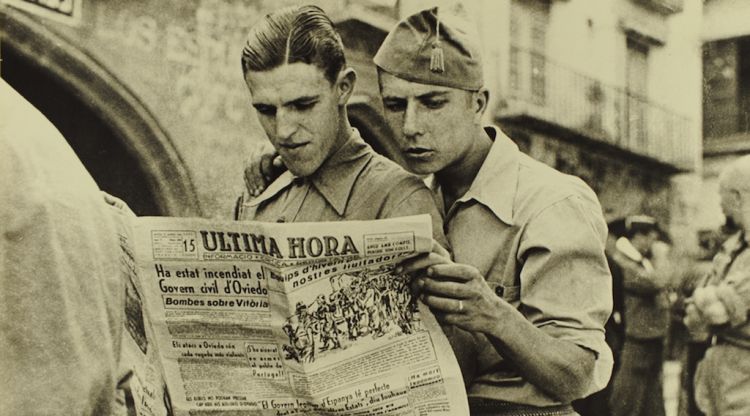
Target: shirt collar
(334,179)
(497,180)
(336,176)
(627,248)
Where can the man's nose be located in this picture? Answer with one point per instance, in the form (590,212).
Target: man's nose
(411,121)
(286,125)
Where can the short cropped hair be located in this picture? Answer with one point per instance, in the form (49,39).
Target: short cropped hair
(294,34)
(736,175)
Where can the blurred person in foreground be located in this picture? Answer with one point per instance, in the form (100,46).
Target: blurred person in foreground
(719,306)
(637,384)
(60,277)
(530,280)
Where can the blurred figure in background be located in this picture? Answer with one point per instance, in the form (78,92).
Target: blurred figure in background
(719,306)
(615,328)
(637,384)
(694,348)
(61,288)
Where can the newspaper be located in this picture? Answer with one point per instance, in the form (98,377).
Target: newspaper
(252,318)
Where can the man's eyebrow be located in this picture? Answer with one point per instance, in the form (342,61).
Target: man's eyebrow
(432,94)
(304,99)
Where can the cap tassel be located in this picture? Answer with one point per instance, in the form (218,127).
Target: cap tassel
(436,59)
(437,63)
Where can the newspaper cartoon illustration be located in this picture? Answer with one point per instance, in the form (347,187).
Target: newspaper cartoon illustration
(370,303)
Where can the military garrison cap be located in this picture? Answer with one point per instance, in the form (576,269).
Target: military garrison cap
(432,49)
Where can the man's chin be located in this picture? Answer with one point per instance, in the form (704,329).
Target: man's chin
(418,168)
(302,170)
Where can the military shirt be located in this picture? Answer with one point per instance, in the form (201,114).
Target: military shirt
(354,183)
(538,237)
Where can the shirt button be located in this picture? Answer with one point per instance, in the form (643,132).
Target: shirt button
(500,291)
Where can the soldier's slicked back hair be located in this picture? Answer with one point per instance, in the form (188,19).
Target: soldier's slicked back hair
(294,34)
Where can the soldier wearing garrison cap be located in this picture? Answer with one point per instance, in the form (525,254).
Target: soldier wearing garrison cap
(435,50)
(528,278)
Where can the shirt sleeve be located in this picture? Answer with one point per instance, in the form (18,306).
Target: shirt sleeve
(566,286)
(734,291)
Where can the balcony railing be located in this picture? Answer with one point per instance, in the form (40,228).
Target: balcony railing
(544,91)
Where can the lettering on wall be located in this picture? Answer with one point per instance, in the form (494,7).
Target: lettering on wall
(199,53)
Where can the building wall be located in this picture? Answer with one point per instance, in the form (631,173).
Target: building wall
(709,214)
(623,187)
(674,82)
(723,19)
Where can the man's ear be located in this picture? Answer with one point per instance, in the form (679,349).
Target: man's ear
(345,83)
(480,102)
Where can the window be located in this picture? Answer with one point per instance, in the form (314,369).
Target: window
(636,92)
(528,30)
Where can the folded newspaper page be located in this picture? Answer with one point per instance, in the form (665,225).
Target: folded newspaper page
(259,318)
(141,383)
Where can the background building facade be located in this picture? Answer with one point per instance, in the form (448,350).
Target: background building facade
(151,96)
(726,97)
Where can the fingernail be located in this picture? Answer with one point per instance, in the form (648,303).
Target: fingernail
(429,271)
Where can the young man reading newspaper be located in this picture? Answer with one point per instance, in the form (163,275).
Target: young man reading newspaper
(296,72)
(295,69)
(528,276)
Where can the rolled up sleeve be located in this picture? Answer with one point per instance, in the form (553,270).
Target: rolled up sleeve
(566,286)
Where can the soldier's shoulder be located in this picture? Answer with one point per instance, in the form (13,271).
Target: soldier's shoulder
(383,174)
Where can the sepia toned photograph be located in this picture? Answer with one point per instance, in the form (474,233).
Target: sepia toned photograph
(375,207)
